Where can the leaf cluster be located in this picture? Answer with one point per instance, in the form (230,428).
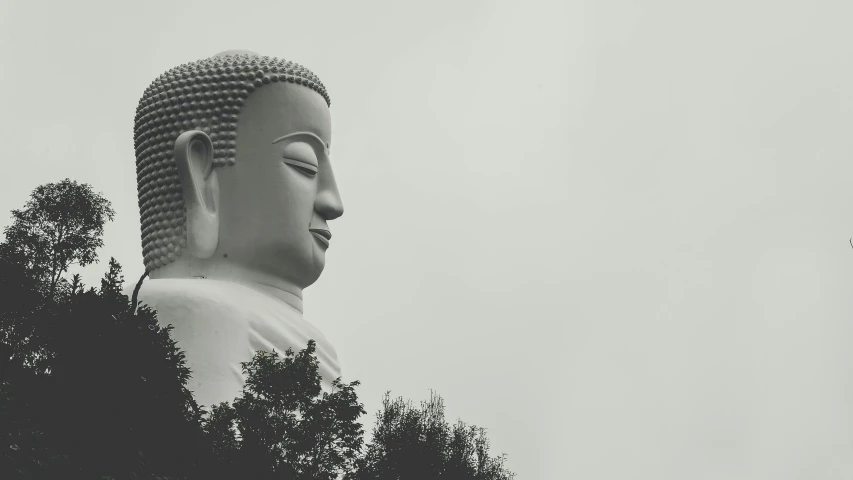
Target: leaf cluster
(411,443)
(62,224)
(283,425)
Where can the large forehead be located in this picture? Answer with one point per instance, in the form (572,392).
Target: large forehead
(284,108)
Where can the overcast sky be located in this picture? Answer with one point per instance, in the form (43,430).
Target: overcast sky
(613,232)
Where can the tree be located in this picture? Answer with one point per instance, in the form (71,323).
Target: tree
(111,400)
(61,225)
(21,298)
(112,285)
(417,444)
(283,426)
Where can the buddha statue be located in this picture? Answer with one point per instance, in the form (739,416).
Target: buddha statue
(236,190)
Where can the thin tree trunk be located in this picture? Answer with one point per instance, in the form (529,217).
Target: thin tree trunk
(135,297)
(56,264)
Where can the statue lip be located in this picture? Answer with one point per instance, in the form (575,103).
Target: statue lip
(322,234)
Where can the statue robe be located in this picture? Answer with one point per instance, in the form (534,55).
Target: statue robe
(219,324)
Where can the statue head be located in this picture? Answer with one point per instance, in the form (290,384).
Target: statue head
(233,171)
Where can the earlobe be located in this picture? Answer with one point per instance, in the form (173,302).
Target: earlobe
(200,186)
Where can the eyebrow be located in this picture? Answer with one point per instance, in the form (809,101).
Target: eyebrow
(327,146)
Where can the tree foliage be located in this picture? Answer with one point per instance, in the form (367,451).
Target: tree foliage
(61,225)
(287,427)
(412,443)
(21,299)
(109,398)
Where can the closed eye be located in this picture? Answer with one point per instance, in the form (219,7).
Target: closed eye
(303,167)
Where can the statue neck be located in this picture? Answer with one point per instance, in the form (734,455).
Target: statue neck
(225,270)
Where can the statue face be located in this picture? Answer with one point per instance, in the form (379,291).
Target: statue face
(276,200)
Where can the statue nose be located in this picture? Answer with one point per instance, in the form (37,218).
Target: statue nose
(329,205)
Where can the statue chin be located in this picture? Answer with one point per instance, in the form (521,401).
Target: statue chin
(219,324)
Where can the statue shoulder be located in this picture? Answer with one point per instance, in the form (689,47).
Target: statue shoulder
(192,294)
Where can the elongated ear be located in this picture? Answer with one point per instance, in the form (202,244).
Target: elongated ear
(194,156)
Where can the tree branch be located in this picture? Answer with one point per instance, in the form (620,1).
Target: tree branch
(135,297)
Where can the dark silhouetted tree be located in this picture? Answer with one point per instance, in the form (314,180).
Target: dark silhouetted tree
(417,444)
(109,400)
(113,281)
(61,225)
(283,426)
(20,298)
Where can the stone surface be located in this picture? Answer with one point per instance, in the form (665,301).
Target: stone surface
(236,190)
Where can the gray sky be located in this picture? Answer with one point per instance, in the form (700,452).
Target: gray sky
(612,232)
